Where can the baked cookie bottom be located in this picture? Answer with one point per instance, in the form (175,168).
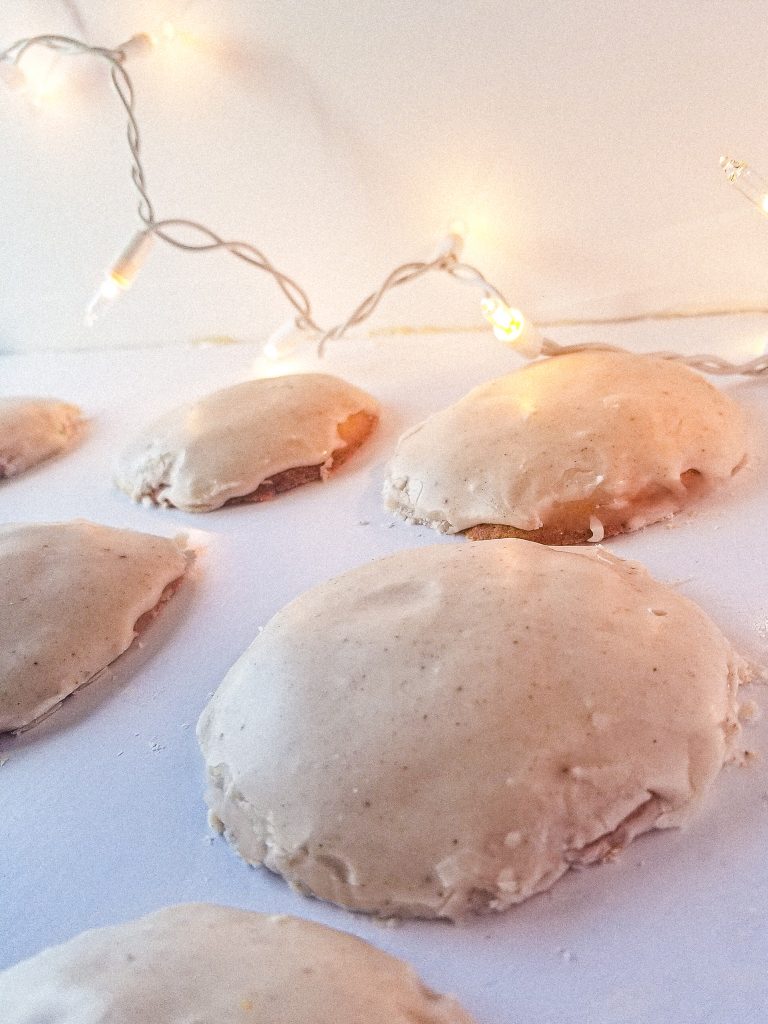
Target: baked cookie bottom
(353,431)
(572,522)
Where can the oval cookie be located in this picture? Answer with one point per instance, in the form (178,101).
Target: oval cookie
(451,728)
(247,442)
(569,449)
(34,429)
(75,595)
(204,964)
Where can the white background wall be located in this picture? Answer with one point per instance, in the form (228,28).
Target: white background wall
(579,140)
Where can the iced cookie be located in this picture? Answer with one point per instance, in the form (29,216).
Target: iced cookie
(247,442)
(570,449)
(451,728)
(34,429)
(204,964)
(74,597)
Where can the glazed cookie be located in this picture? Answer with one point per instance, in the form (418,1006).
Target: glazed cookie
(74,597)
(451,728)
(217,965)
(248,442)
(568,450)
(34,429)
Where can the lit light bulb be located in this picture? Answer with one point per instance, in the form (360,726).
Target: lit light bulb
(167,33)
(120,275)
(747,181)
(511,327)
(284,341)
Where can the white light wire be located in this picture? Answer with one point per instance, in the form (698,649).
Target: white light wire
(447,261)
(163,229)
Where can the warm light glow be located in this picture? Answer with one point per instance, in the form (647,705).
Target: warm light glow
(511,327)
(45,78)
(507,323)
(748,182)
(111,287)
(120,275)
(283,341)
(165,34)
(36,77)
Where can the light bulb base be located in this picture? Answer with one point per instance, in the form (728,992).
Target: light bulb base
(137,46)
(284,341)
(120,275)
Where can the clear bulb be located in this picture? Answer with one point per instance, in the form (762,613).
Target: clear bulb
(511,326)
(120,275)
(747,181)
(507,323)
(284,341)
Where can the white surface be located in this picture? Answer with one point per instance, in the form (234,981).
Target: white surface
(101,811)
(579,139)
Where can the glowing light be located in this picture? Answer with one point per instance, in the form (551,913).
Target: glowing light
(511,326)
(168,37)
(120,275)
(747,181)
(507,323)
(284,341)
(38,79)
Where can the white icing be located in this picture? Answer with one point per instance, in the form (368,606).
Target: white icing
(609,428)
(34,429)
(203,964)
(452,727)
(72,594)
(223,446)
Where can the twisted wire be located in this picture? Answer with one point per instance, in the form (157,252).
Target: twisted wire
(446,262)
(164,229)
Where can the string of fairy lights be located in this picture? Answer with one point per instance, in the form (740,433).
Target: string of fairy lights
(509,324)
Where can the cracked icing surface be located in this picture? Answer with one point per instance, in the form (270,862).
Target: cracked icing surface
(72,596)
(611,440)
(203,964)
(34,429)
(226,445)
(450,728)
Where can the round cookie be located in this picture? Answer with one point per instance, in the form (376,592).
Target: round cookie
(451,728)
(74,597)
(34,429)
(567,450)
(217,965)
(247,442)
